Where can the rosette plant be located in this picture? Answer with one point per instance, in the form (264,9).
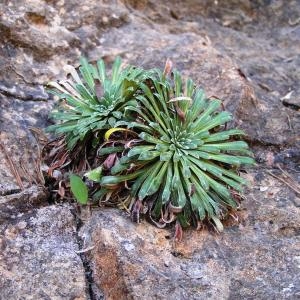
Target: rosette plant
(92,101)
(183,162)
(163,146)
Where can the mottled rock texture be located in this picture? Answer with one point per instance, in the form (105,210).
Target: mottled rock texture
(246,53)
(18,202)
(38,258)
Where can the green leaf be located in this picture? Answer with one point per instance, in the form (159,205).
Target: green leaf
(223,135)
(86,71)
(205,115)
(176,176)
(220,119)
(181,196)
(99,194)
(178,83)
(201,177)
(166,156)
(230,146)
(149,155)
(198,206)
(109,150)
(119,167)
(79,189)
(149,138)
(167,185)
(197,106)
(140,179)
(94,174)
(153,181)
(136,150)
(107,180)
(116,69)
(101,70)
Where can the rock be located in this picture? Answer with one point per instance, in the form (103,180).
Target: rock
(40,37)
(20,136)
(19,202)
(38,258)
(258,257)
(143,264)
(291,100)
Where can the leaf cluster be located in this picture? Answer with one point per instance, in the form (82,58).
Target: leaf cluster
(92,101)
(159,138)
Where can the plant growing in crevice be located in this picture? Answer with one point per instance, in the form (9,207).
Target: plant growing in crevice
(162,145)
(183,164)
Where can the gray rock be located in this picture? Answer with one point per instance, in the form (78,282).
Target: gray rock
(21,201)
(38,256)
(21,124)
(291,100)
(40,37)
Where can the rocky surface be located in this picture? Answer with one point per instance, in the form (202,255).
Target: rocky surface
(38,258)
(246,53)
(19,202)
(19,142)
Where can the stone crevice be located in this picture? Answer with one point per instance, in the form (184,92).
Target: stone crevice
(92,291)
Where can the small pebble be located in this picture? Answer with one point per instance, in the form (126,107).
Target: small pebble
(263,188)
(22,225)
